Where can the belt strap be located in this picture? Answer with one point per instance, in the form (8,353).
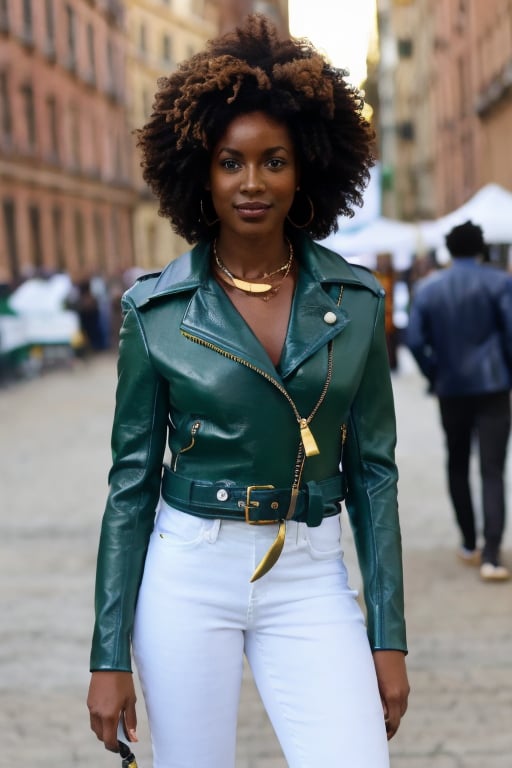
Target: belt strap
(254,504)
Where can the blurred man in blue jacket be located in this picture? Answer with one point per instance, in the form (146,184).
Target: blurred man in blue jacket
(460,333)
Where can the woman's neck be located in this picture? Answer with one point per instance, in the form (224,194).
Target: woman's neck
(252,258)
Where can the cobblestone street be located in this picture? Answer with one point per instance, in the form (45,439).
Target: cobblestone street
(54,457)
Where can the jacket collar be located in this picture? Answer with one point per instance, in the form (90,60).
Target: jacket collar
(212,319)
(191,270)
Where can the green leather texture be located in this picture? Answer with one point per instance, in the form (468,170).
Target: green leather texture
(191,374)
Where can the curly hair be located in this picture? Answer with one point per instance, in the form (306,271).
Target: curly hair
(248,70)
(465,240)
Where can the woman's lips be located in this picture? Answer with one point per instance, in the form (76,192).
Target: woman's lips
(252,210)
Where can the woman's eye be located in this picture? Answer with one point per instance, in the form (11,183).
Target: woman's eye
(230,165)
(276,162)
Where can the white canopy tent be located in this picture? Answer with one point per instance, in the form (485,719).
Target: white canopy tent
(490,208)
(381,235)
(41,317)
(359,239)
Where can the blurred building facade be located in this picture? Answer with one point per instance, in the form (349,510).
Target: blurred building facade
(233,11)
(66,194)
(162,33)
(159,35)
(444,81)
(76,78)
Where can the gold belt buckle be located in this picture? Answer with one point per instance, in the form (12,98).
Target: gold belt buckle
(249,504)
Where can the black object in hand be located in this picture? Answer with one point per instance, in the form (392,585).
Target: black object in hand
(127,755)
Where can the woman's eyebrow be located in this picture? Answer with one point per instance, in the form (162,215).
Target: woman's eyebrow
(268,151)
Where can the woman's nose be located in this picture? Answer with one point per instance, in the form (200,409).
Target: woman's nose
(252,180)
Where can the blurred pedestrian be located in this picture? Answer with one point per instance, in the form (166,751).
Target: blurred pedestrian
(261,358)
(83,301)
(460,332)
(385,274)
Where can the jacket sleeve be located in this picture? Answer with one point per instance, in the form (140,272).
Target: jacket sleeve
(504,309)
(371,500)
(138,444)
(418,339)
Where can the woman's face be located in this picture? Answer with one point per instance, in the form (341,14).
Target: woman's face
(253,175)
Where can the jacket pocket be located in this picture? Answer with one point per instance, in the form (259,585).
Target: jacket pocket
(343,440)
(194,429)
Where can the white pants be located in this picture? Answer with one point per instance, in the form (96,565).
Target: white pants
(300,627)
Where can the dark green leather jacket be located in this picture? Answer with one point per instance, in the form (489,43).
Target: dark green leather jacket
(192,373)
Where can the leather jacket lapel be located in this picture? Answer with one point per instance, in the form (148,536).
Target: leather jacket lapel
(315,319)
(211,318)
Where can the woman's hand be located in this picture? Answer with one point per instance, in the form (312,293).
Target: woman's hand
(112,695)
(393,687)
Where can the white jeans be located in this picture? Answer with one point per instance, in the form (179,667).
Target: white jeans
(300,627)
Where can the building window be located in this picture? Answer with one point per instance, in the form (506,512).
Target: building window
(405,47)
(464,101)
(28,23)
(91,53)
(5,106)
(167,49)
(111,79)
(151,243)
(11,240)
(143,38)
(461,16)
(80,239)
(115,230)
(95,159)
(27,94)
(74,127)
(118,159)
(146,103)
(60,256)
(71,36)
(51,105)
(50,27)
(34,221)
(99,237)
(4,16)
(405,130)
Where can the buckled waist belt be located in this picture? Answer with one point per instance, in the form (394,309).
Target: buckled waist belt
(255,504)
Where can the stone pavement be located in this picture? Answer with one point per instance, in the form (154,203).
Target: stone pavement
(54,454)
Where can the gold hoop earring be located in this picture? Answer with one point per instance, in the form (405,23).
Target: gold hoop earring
(204,217)
(311,214)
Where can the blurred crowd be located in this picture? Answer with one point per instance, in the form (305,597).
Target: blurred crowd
(399,287)
(48,320)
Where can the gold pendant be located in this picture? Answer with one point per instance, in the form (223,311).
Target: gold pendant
(308,441)
(242,285)
(272,556)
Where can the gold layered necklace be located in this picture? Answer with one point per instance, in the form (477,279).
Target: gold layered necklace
(264,291)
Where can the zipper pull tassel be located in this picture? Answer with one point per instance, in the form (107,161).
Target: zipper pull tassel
(308,441)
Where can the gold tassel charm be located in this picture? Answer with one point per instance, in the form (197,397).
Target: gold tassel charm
(272,556)
(308,441)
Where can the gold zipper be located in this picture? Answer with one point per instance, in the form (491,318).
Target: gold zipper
(193,432)
(308,441)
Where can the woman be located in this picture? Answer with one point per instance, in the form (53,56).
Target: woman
(261,358)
